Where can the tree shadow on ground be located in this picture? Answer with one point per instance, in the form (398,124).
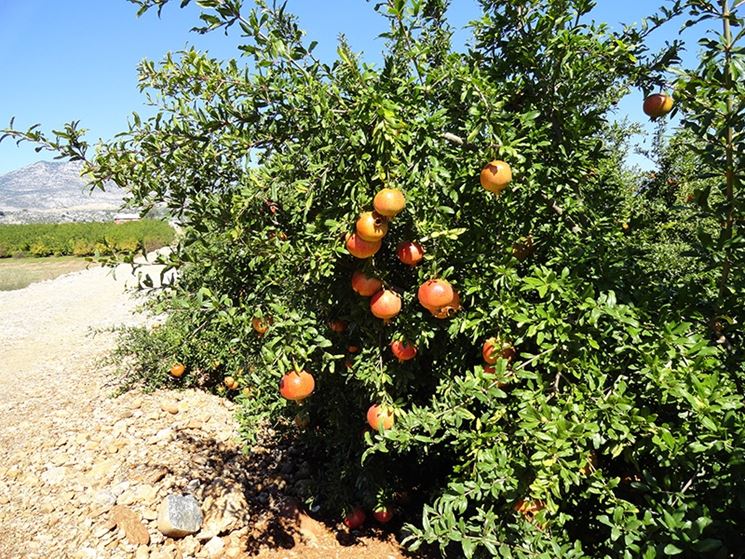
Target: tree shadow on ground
(262,488)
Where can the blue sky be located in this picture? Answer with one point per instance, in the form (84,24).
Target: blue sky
(64,60)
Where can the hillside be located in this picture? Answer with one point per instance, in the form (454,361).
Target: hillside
(53,191)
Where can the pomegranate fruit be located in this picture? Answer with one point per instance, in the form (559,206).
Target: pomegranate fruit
(177,370)
(447,311)
(296,385)
(379,417)
(529,508)
(355,518)
(261,325)
(410,253)
(371,226)
(365,285)
(435,293)
(494,348)
(657,105)
(385,304)
(389,202)
(403,351)
(360,248)
(495,176)
(230,383)
(383,515)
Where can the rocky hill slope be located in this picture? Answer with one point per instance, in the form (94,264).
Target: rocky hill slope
(53,191)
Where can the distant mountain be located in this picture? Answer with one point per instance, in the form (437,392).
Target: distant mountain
(51,187)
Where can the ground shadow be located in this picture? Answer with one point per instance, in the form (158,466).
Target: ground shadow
(271,477)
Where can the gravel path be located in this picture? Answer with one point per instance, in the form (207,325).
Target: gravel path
(74,461)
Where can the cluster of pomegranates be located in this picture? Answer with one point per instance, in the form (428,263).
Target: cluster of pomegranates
(436,295)
(357,516)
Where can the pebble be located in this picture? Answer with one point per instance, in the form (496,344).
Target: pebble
(129,522)
(170,407)
(214,547)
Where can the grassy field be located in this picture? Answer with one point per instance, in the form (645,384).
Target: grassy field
(83,239)
(17,273)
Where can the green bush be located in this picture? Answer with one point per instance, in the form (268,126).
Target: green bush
(616,430)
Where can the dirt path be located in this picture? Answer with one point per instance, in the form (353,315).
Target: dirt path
(82,474)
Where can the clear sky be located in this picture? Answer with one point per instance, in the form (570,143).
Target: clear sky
(63,60)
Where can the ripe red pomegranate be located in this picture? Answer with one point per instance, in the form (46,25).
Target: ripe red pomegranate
(389,202)
(403,351)
(410,253)
(383,514)
(355,518)
(435,293)
(297,385)
(379,417)
(495,176)
(385,304)
(365,285)
(360,248)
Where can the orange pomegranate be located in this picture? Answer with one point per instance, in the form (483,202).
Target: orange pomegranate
(447,311)
(389,202)
(495,176)
(230,383)
(410,253)
(177,370)
(261,325)
(379,417)
(494,348)
(365,285)
(353,349)
(371,226)
(296,385)
(360,248)
(657,105)
(435,293)
(338,325)
(385,304)
(403,351)
(529,508)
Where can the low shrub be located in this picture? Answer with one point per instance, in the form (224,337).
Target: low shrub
(84,239)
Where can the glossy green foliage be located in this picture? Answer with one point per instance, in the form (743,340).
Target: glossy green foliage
(618,424)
